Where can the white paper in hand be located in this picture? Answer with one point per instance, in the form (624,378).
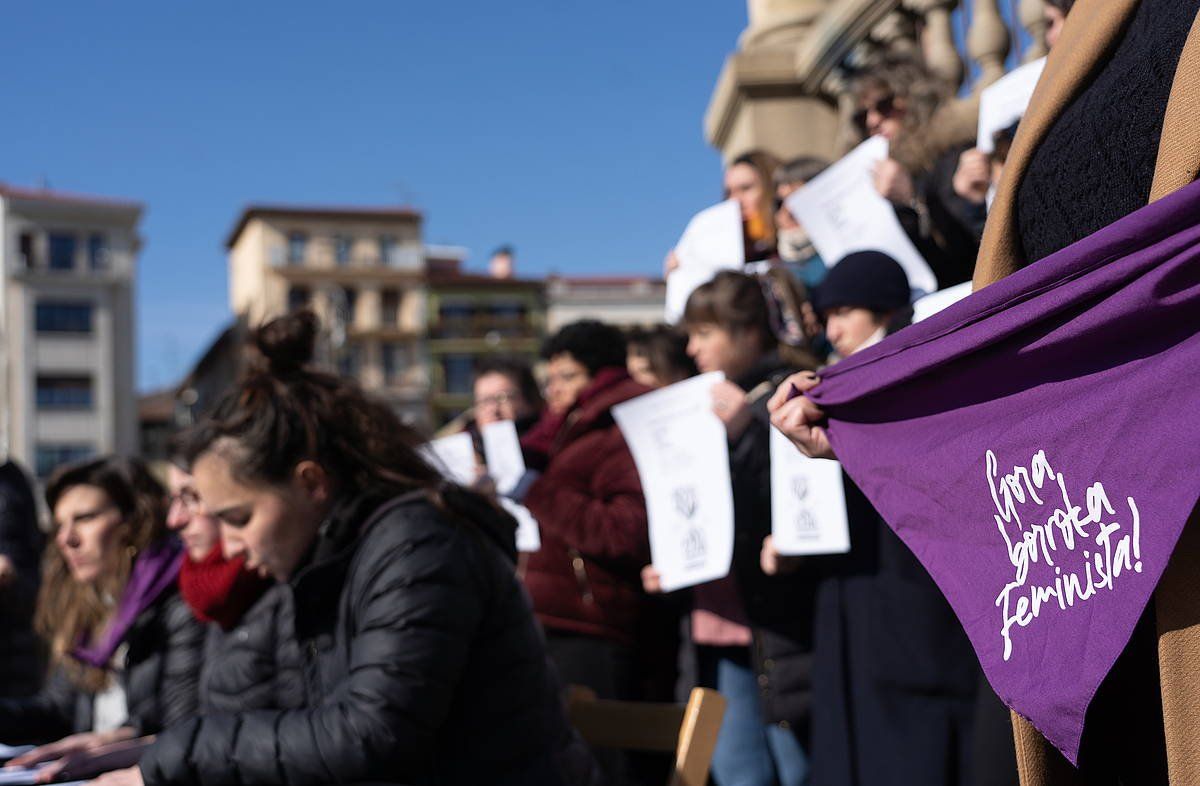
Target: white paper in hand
(942,299)
(12,751)
(502,452)
(808,502)
(1004,102)
(842,213)
(682,458)
(506,465)
(454,456)
(711,242)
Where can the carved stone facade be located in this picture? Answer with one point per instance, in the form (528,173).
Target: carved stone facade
(785,89)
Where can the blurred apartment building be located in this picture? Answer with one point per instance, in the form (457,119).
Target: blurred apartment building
(66,314)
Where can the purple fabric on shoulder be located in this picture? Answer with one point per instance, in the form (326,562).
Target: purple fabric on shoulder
(1037,446)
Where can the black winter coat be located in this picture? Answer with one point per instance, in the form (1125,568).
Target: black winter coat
(779,607)
(21,664)
(160,673)
(421,657)
(256,665)
(894,674)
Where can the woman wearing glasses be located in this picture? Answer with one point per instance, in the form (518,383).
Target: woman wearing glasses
(899,100)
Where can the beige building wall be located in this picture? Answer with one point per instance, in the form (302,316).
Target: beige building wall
(99,359)
(632,302)
(386,355)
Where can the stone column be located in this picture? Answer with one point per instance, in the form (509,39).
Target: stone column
(759,101)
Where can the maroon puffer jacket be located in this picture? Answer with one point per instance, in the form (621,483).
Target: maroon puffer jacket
(587,577)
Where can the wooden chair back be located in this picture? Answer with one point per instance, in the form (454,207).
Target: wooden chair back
(689,730)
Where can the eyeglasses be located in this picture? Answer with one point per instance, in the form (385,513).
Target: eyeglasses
(497,400)
(884,107)
(189,499)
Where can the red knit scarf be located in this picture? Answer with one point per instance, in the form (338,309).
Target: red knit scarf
(220,590)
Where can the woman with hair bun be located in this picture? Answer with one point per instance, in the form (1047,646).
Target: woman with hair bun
(422,659)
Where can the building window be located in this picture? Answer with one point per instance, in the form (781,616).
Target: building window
(387,247)
(60,316)
(396,361)
(27,254)
(349,360)
(298,298)
(49,457)
(389,308)
(456,320)
(346,305)
(459,371)
(64,392)
(97,252)
(62,251)
(341,249)
(297,246)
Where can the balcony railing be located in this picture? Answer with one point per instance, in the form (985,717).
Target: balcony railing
(482,327)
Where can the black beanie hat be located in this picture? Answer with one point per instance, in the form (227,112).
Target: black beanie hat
(864,279)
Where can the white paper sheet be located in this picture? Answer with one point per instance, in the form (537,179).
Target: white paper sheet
(506,465)
(682,456)
(842,213)
(943,298)
(711,242)
(1003,102)
(454,456)
(808,502)
(12,751)
(502,453)
(25,776)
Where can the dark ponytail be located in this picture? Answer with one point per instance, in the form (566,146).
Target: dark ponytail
(285,411)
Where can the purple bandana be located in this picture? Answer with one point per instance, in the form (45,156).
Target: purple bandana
(154,570)
(1036,445)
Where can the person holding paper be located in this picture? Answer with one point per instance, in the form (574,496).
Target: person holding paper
(894,675)
(125,650)
(752,631)
(585,580)
(898,99)
(422,660)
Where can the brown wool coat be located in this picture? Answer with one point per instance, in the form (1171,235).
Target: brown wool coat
(1092,28)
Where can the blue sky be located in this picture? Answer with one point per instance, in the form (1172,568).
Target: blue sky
(571,130)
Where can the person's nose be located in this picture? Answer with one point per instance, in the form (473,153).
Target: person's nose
(67,537)
(177,515)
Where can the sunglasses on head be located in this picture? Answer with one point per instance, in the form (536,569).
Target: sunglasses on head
(884,107)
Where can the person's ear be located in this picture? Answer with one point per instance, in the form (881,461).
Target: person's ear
(311,480)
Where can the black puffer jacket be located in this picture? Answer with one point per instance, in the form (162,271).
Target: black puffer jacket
(160,673)
(256,665)
(21,665)
(780,608)
(422,657)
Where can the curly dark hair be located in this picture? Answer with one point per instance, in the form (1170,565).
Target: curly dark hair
(594,344)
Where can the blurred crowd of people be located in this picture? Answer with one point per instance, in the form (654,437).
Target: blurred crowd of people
(305,599)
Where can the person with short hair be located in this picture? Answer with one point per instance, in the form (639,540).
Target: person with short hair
(752,630)
(505,389)
(585,580)
(657,356)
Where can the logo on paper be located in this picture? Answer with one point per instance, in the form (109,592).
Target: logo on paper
(1083,549)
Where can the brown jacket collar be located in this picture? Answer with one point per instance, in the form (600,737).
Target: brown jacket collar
(1093,28)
